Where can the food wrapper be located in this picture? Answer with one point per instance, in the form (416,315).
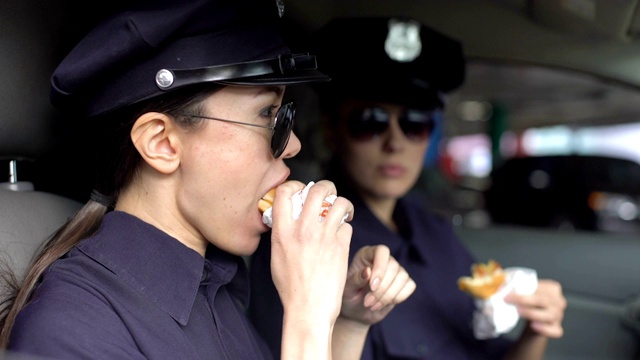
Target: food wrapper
(298,201)
(493,316)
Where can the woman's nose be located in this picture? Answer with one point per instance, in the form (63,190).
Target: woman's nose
(293,147)
(394,137)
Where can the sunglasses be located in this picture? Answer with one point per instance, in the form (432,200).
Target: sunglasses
(367,123)
(280,129)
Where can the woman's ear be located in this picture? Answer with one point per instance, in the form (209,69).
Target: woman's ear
(154,135)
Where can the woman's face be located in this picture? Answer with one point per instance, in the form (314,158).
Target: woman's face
(384,166)
(226,168)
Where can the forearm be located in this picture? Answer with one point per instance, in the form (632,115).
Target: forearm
(530,346)
(304,339)
(348,339)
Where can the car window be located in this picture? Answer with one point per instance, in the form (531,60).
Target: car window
(513,130)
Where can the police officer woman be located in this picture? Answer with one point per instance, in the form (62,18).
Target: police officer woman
(186,99)
(389,77)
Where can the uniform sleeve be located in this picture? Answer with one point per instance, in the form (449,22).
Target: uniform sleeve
(265,308)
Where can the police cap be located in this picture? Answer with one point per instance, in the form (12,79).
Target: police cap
(388,59)
(161,45)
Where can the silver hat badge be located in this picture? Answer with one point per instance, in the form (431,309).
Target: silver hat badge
(403,42)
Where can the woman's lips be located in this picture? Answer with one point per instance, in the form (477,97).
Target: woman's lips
(392,170)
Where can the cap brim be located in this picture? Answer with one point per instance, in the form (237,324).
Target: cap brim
(299,77)
(383,89)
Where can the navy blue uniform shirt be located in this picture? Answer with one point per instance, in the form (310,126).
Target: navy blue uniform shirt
(434,323)
(133,292)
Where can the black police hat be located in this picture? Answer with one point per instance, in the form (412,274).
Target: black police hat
(161,45)
(388,59)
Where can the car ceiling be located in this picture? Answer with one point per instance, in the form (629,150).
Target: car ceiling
(595,39)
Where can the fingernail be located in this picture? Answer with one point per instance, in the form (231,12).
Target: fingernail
(375,283)
(536,325)
(369,300)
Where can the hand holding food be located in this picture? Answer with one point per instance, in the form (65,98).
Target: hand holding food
(309,258)
(544,309)
(266,203)
(490,284)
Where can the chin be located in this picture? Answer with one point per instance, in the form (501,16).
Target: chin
(393,189)
(248,249)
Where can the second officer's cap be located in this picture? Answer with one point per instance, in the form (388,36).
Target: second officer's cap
(389,59)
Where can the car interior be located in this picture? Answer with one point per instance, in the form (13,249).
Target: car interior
(539,72)
(28,214)
(535,65)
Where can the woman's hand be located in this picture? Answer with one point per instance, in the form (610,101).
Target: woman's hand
(309,257)
(376,282)
(544,309)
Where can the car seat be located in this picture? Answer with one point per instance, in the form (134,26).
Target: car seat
(28,130)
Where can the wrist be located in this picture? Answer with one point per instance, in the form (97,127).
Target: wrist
(305,337)
(352,325)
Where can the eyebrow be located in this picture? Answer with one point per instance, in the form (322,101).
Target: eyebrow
(278,90)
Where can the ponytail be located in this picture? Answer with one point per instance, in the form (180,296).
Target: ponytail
(83,224)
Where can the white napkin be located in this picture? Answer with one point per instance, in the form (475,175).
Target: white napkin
(493,316)
(298,201)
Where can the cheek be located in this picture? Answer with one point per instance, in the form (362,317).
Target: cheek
(218,193)
(359,159)
(415,158)
(211,169)
(201,182)
(237,168)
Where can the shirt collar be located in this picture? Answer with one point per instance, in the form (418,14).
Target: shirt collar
(413,217)
(156,264)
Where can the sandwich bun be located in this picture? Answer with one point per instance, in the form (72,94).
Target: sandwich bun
(485,281)
(267,200)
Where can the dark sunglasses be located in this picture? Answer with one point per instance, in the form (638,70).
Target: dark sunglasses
(366,123)
(280,129)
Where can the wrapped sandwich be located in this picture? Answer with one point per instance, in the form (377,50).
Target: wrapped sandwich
(488,284)
(266,203)
(485,280)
